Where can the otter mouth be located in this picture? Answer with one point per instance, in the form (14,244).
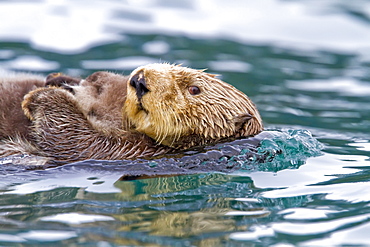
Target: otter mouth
(140,107)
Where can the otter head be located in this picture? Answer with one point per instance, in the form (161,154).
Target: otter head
(182,107)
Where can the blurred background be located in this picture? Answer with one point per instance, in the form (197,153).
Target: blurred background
(305,63)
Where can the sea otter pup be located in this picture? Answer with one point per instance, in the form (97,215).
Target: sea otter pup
(13,87)
(159,108)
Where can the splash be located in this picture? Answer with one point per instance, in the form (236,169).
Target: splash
(287,149)
(269,151)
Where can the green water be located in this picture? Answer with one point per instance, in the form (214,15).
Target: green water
(304,63)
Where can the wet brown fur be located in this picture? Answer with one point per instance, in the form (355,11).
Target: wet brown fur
(182,120)
(13,87)
(101,97)
(104,119)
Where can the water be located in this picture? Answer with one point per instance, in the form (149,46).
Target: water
(304,63)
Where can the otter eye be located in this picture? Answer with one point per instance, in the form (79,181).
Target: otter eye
(194,90)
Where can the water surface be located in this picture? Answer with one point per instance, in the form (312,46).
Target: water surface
(304,63)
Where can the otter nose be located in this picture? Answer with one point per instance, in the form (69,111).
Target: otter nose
(137,81)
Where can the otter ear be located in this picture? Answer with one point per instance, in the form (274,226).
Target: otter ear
(241,119)
(62,81)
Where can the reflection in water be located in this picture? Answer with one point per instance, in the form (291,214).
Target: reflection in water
(167,210)
(175,212)
(200,209)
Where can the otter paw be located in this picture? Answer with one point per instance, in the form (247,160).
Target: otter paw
(42,98)
(62,81)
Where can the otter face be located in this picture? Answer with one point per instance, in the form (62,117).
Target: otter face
(101,97)
(182,107)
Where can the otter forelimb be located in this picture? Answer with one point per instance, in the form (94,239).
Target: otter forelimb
(67,135)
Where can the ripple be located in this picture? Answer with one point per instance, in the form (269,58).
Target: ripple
(6,54)
(11,238)
(342,86)
(305,213)
(257,233)
(30,63)
(61,26)
(352,192)
(76,178)
(76,218)
(47,235)
(230,66)
(128,63)
(358,235)
(365,146)
(156,47)
(314,228)
(254,213)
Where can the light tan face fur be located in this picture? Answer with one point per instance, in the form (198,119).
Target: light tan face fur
(172,116)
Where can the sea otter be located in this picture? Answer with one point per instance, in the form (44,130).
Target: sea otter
(13,86)
(158,109)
